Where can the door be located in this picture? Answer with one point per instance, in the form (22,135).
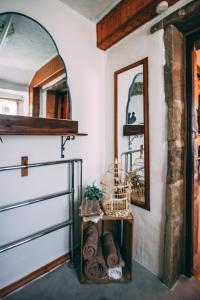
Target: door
(196,160)
(193,158)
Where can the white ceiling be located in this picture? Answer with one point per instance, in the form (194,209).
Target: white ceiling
(25,51)
(94,10)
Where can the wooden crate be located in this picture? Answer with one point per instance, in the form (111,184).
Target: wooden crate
(113,224)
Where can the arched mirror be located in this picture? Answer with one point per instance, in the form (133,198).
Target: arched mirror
(132,128)
(33,79)
(134,107)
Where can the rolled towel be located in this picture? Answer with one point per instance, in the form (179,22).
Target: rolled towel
(95,268)
(90,242)
(115,273)
(121,262)
(110,251)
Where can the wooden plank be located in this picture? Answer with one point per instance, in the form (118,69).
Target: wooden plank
(48,72)
(24,162)
(123,19)
(50,105)
(35,92)
(52,69)
(11,125)
(129,130)
(125,278)
(112,218)
(127,244)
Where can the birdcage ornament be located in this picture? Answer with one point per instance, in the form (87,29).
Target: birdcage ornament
(116,188)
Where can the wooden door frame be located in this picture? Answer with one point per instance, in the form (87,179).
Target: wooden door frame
(180,24)
(190,39)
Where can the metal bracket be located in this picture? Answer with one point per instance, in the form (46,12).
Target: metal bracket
(130,140)
(63,142)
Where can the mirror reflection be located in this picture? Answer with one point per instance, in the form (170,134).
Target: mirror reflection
(134,108)
(131,131)
(33,81)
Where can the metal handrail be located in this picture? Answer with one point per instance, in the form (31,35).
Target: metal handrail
(32,201)
(42,164)
(34,236)
(130,152)
(41,233)
(126,158)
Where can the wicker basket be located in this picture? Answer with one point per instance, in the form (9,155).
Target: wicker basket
(116,189)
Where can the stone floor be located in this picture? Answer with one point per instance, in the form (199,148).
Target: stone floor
(63,284)
(186,289)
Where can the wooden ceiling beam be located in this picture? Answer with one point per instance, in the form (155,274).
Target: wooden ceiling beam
(123,19)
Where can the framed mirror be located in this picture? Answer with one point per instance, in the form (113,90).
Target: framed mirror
(34,91)
(131,125)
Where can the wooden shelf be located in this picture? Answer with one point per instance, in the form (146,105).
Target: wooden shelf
(75,134)
(19,125)
(129,130)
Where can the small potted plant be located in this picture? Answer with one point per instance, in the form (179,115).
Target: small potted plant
(92,196)
(134,178)
(92,192)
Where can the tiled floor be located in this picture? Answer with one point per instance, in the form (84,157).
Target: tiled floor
(63,284)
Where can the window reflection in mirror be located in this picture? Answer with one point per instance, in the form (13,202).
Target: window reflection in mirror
(33,80)
(134,109)
(9,106)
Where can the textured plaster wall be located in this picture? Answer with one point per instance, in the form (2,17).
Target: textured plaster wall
(148,226)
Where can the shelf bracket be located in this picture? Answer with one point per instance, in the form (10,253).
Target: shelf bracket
(64,139)
(130,140)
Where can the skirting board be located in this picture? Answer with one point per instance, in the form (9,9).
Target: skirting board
(45,269)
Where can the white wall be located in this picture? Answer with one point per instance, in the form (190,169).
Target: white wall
(148,235)
(76,41)
(148,226)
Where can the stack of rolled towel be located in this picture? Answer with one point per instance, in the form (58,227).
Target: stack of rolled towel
(112,252)
(99,255)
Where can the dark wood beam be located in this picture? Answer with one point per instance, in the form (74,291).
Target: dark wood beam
(123,19)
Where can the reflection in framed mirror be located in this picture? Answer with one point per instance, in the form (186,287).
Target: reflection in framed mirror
(132,128)
(33,79)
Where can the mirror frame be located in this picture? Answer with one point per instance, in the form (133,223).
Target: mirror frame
(144,63)
(21,125)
